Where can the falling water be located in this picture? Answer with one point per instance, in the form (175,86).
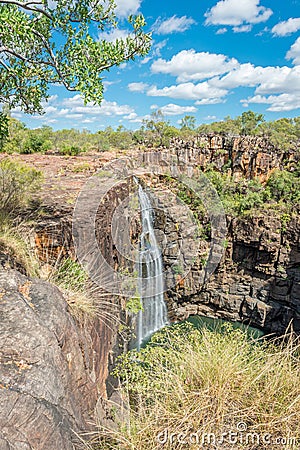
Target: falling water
(153,315)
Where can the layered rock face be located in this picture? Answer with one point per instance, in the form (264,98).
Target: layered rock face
(49,368)
(247,156)
(257,280)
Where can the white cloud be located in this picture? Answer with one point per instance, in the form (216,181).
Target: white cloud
(50,109)
(113,35)
(89,120)
(294,52)
(138,119)
(221,31)
(138,87)
(74,116)
(237,12)
(131,116)
(210,117)
(286,27)
(106,108)
(190,91)
(188,65)
(62,112)
(278,103)
(173,25)
(146,60)
(221,75)
(279,79)
(126,7)
(155,51)
(73,108)
(210,101)
(157,47)
(242,29)
(267,80)
(174,110)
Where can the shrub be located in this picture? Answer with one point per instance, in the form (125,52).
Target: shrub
(284,186)
(18,181)
(35,143)
(70,150)
(70,275)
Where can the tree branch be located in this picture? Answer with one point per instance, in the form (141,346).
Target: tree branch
(27,6)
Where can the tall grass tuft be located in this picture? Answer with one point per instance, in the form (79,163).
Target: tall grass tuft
(190,387)
(72,279)
(14,244)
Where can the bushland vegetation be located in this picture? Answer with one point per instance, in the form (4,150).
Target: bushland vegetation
(156,131)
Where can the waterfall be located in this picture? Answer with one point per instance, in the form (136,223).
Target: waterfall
(153,315)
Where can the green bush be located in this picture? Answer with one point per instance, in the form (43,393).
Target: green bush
(35,143)
(18,181)
(70,150)
(284,186)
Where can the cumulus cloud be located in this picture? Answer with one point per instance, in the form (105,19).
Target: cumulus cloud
(113,35)
(76,105)
(294,52)
(286,27)
(126,7)
(210,101)
(73,109)
(220,75)
(174,110)
(138,87)
(131,116)
(189,91)
(221,31)
(267,80)
(242,29)
(173,25)
(237,12)
(278,103)
(188,65)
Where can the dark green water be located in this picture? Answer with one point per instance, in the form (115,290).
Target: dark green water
(214,325)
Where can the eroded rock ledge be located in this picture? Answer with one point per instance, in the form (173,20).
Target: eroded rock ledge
(256,282)
(51,368)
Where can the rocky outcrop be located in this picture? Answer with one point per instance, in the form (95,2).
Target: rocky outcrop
(257,281)
(52,369)
(242,156)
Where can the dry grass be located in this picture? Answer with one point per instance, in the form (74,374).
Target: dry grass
(205,385)
(14,243)
(85,299)
(72,280)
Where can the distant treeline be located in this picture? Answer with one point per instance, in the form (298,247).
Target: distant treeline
(154,132)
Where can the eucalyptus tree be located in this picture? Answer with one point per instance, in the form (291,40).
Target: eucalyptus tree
(44,42)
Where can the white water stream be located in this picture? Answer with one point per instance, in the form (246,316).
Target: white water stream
(153,315)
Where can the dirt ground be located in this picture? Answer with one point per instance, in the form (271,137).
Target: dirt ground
(64,176)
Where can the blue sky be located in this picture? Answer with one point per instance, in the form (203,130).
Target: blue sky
(208,59)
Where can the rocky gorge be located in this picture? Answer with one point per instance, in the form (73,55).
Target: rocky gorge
(55,367)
